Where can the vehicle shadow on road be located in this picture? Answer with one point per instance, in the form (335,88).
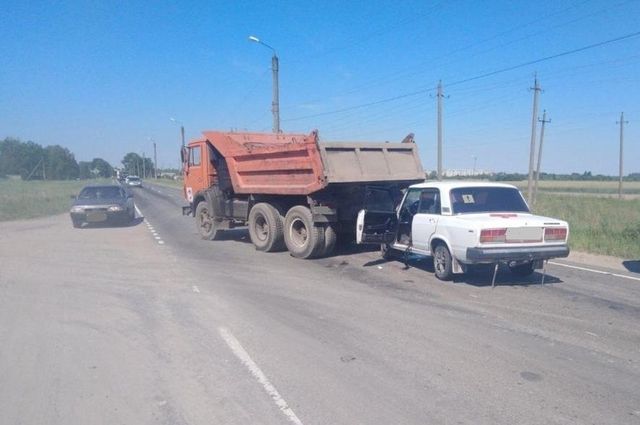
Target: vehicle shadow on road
(632,265)
(479,276)
(106,225)
(234,235)
(352,248)
(482,275)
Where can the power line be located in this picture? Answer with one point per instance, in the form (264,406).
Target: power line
(558,55)
(466,80)
(403,75)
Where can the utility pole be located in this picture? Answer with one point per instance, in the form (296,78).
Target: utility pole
(44,173)
(532,151)
(144,167)
(622,122)
(543,121)
(275,105)
(440,95)
(155,162)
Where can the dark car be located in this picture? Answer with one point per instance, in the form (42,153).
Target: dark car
(100,204)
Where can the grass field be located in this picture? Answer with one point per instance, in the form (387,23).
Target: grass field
(579,187)
(597,225)
(28,199)
(167,183)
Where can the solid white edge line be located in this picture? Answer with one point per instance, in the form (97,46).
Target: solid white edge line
(595,271)
(244,357)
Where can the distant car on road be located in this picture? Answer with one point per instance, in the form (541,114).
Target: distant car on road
(100,204)
(133,181)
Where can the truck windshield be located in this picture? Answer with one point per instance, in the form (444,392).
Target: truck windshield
(469,200)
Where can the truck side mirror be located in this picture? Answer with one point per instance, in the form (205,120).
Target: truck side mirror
(184,157)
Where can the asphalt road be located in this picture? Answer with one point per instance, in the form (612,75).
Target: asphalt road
(150,324)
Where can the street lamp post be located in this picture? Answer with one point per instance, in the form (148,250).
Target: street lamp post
(155,158)
(275,103)
(181,129)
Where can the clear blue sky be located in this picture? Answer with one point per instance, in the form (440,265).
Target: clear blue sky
(101,78)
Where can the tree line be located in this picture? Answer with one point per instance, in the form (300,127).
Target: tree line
(32,161)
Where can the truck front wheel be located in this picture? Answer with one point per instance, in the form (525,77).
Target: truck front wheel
(302,237)
(266,227)
(206,223)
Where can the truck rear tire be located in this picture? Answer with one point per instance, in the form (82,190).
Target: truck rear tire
(266,227)
(206,224)
(330,238)
(302,237)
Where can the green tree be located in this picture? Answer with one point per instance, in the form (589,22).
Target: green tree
(132,162)
(60,164)
(101,168)
(134,165)
(17,157)
(84,168)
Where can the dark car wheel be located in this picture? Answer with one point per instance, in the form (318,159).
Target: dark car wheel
(76,223)
(442,262)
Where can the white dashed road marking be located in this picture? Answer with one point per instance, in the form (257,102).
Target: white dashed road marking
(595,271)
(244,357)
(149,226)
(195,289)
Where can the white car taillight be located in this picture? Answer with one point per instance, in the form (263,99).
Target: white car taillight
(493,235)
(555,233)
(115,208)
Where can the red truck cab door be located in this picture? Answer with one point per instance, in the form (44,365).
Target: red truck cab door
(194,171)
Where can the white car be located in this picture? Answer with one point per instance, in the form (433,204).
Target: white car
(133,181)
(463,223)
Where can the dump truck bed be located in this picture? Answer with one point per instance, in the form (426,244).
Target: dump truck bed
(298,164)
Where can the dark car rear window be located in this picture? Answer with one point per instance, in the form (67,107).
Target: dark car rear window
(107,192)
(466,200)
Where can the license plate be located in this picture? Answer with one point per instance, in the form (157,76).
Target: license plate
(524,234)
(95,216)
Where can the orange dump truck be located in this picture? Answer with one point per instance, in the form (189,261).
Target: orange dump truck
(292,191)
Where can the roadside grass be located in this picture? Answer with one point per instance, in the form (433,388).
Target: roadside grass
(578,187)
(28,199)
(167,183)
(597,225)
